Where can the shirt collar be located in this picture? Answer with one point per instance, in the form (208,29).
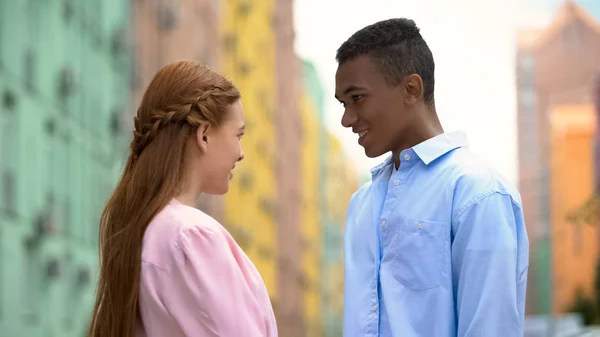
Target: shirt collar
(432,149)
(435,147)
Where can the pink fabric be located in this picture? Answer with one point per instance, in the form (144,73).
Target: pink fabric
(196,281)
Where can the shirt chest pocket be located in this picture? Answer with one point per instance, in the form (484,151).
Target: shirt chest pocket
(416,253)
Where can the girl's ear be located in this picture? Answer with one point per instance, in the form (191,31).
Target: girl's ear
(203,136)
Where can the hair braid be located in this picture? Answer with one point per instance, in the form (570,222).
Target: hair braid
(203,106)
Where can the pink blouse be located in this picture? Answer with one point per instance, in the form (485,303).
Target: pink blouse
(196,281)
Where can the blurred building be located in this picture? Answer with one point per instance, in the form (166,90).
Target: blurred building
(169,31)
(340,183)
(329,180)
(64,77)
(289,140)
(597,140)
(555,66)
(311,227)
(530,180)
(247,56)
(575,243)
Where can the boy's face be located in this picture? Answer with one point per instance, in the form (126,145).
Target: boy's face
(374,110)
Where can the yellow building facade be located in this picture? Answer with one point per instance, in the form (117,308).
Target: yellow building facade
(341,184)
(247,56)
(328,182)
(310,217)
(342,180)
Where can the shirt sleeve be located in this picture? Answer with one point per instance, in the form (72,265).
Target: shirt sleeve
(490,258)
(206,291)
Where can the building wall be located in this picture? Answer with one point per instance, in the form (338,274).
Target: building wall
(289,140)
(247,56)
(597,135)
(566,66)
(575,247)
(556,66)
(64,77)
(335,182)
(340,184)
(527,135)
(566,60)
(530,183)
(165,32)
(312,250)
(168,31)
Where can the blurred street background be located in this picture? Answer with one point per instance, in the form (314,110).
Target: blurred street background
(520,77)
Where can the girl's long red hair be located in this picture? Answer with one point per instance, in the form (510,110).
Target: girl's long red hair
(179,97)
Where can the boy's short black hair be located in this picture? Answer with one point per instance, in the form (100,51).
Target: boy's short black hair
(397,48)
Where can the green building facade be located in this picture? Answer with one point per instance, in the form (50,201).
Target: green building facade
(332,240)
(64,87)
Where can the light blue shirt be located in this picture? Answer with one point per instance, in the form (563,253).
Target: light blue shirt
(437,250)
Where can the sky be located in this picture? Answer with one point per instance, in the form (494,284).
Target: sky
(473,44)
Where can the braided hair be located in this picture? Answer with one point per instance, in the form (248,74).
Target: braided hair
(199,107)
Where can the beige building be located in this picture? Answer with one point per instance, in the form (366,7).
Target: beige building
(555,66)
(167,31)
(575,243)
(288,135)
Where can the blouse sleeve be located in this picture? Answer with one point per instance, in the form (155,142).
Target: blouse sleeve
(206,290)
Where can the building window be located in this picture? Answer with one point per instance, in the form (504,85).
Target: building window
(29,71)
(245,7)
(268,205)
(134,76)
(9,100)
(246,181)
(526,62)
(244,68)
(68,10)
(115,122)
(230,42)
(66,83)
(167,17)
(8,192)
(50,126)
(528,98)
(118,43)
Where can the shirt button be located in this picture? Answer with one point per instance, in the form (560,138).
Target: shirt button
(383,222)
(397,182)
(420,225)
(407,156)
(375,307)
